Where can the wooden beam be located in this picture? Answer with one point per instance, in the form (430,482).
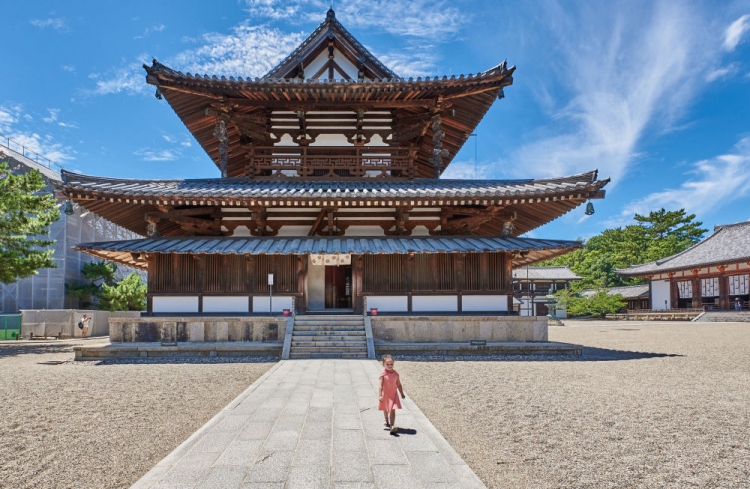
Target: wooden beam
(315,226)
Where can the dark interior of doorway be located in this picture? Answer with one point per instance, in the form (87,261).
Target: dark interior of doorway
(339,287)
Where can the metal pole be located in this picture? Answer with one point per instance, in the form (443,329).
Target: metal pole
(270,300)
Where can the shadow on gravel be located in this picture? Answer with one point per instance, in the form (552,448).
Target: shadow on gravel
(590,354)
(26,349)
(182,360)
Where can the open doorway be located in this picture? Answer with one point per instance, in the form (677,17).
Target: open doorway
(338,289)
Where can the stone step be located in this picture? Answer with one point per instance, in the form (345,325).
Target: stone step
(329,349)
(329,323)
(328,333)
(328,328)
(327,355)
(319,339)
(317,317)
(329,344)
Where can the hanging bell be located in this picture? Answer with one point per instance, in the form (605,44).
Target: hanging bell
(68,209)
(589,209)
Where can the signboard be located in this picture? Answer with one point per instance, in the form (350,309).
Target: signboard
(478,342)
(331,259)
(270,279)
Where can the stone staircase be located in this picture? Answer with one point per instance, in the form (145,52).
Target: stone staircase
(328,336)
(724,317)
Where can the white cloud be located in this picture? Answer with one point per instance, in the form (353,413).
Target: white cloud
(627,71)
(8,117)
(68,68)
(438,20)
(713,183)
(129,79)
(52,115)
(149,154)
(415,62)
(250,51)
(723,72)
(68,125)
(167,138)
(465,170)
(734,33)
(186,144)
(24,142)
(55,23)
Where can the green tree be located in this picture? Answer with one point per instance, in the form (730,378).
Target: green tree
(658,235)
(598,304)
(25,216)
(129,294)
(98,273)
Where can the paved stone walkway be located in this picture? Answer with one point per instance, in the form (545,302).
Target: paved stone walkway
(313,424)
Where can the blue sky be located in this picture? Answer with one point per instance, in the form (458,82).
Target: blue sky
(653,94)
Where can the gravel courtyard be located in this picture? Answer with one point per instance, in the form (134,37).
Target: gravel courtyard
(650,404)
(83,425)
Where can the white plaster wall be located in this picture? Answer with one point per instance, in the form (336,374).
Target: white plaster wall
(331,140)
(433,303)
(364,231)
(659,294)
(175,304)
(420,231)
(225,304)
(388,303)
(260,304)
(318,63)
(295,230)
(316,286)
(484,303)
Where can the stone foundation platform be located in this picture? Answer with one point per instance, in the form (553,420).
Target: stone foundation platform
(458,328)
(182,350)
(197,329)
(467,349)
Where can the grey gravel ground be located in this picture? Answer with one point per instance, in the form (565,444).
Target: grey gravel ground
(85,425)
(648,405)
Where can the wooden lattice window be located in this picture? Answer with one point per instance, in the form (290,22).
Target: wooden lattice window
(710,287)
(738,284)
(384,273)
(284,269)
(685,289)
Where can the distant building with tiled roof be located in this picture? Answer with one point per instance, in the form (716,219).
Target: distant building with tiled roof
(713,273)
(637,296)
(533,284)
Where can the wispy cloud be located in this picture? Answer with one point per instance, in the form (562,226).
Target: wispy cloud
(53,113)
(418,61)
(68,125)
(734,33)
(149,154)
(249,51)
(723,72)
(400,17)
(68,68)
(711,184)
(129,79)
(53,22)
(464,170)
(625,71)
(25,141)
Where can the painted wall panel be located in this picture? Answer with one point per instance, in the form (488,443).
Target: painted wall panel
(434,303)
(388,303)
(484,303)
(175,303)
(225,304)
(261,304)
(660,297)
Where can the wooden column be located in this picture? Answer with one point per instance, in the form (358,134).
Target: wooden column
(460,266)
(409,279)
(484,272)
(674,294)
(508,279)
(358,266)
(176,282)
(302,283)
(697,295)
(724,301)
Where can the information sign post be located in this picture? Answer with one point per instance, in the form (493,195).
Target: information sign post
(270,295)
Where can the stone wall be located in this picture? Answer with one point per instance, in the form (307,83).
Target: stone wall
(448,329)
(197,329)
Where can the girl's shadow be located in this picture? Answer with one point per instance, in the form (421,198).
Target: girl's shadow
(404,431)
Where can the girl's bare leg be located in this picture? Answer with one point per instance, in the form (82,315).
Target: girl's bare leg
(393,418)
(385,415)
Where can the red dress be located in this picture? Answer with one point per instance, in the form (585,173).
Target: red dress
(390,391)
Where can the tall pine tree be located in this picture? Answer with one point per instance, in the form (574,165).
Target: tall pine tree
(25,216)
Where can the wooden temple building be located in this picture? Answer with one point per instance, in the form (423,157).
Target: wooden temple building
(713,274)
(330,181)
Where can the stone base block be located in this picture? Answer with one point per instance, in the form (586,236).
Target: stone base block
(449,329)
(197,329)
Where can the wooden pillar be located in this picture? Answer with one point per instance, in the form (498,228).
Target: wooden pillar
(409,279)
(674,293)
(460,265)
(177,284)
(302,283)
(508,279)
(358,266)
(724,301)
(697,295)
(250,279)
(484,271)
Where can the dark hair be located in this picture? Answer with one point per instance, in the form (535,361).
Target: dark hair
(386,357)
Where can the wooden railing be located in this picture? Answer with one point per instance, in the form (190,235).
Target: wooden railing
(330,161)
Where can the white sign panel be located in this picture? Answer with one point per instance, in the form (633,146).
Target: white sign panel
(332,259)
(270,279)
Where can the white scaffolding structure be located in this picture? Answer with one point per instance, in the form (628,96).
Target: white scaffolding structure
(46,290)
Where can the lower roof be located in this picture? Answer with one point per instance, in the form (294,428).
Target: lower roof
(728,244)
(132,252)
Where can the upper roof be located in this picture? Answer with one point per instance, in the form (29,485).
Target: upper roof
(728,244)
(545,273)
(627,291)
(126,201)
(131,252)
(249,105)
(330,31)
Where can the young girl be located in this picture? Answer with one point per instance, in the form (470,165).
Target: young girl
(387,394)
